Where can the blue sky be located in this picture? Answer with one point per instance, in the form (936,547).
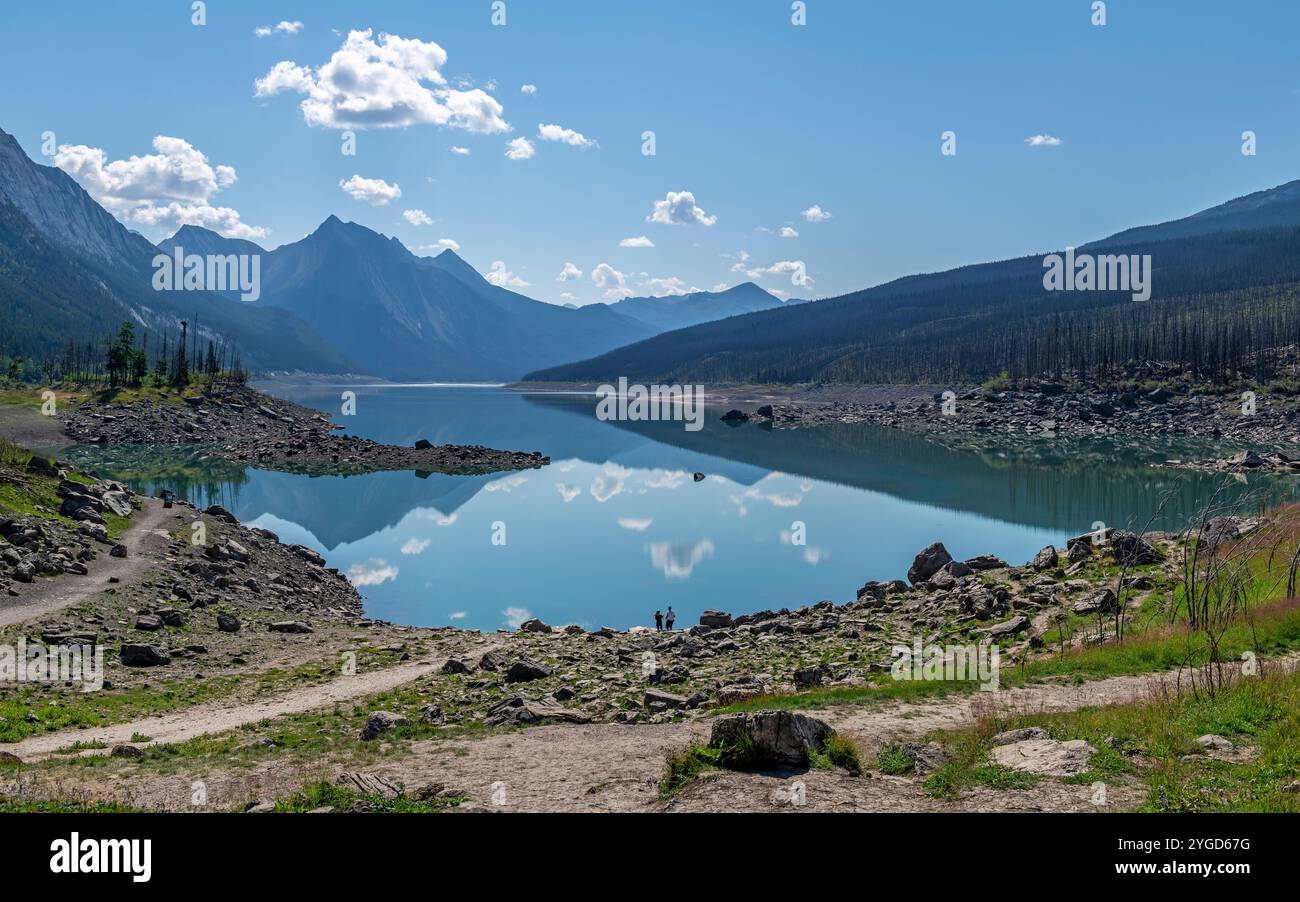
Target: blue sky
(758,119)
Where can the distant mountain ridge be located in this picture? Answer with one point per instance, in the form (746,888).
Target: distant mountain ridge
(405,317)
(73,272)
(1226,281)
(679,311)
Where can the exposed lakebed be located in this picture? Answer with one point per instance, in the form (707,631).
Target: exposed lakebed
(616,526)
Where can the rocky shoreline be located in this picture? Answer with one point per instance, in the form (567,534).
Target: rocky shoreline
(1052,409)
(242,424)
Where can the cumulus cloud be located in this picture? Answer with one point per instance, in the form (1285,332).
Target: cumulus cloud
(375,192)
(373,572)
(640,241)
(564,136)
(457,149)
(1043,141)
(442,245)
(392,82)
(528,89)
(502,277)
(569,272)
(635,524)
(417,217)
(815,213)
(788,232)
(514,617)
(678,208)
(416,546)
(611,281)
(677,560)
(671,286)
(265,31)
(167,189)
(568,492)
(520,149)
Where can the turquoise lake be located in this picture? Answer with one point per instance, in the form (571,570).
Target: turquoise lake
(616,527)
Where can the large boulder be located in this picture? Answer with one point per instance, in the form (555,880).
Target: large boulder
(524,670)
(515,711)
(715,618)
(535,626)
(144,655)
(927,563)
(781,739)
(1099,600)
(1046,757)
(1045,559)
(380,722)
(1132,550)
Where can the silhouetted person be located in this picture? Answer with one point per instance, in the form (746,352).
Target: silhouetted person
(659,621)
(670,618)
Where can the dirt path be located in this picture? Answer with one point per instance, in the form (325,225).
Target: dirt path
(217,717)
(144,539)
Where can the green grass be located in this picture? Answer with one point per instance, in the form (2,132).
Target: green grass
(1148,740)
(894,762)
(322,794)
(20,806)
(686,766)
(838,751)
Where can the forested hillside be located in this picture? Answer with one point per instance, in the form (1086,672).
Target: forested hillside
(1217,299)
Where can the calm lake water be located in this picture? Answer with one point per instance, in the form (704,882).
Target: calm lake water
(616,527)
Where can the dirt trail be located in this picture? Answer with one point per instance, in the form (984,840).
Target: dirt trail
(144,540)
(217,717)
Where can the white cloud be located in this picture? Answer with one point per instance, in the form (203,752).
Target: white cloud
(611,281)
(393,82)
(678,559)
(462,151)
(373,572)
(506,484)
(564,136)
(671,285)
(787,232)
(167,189)
(516,616)
(447,244)
(569,272)
(375,192)
(500,276)
(678,208)
(635,524)
(416,546)
(796,269)
(641,241)
(816,214)
(528,89)
(456,615)
(568,492)
(520,149)
(1043,141)
(265,31)
(417,217)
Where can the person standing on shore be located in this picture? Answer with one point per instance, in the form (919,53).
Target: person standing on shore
(670,618)
(659,621)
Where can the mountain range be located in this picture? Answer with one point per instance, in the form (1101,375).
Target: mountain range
(345,299)
(342,299)
(1225,284)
